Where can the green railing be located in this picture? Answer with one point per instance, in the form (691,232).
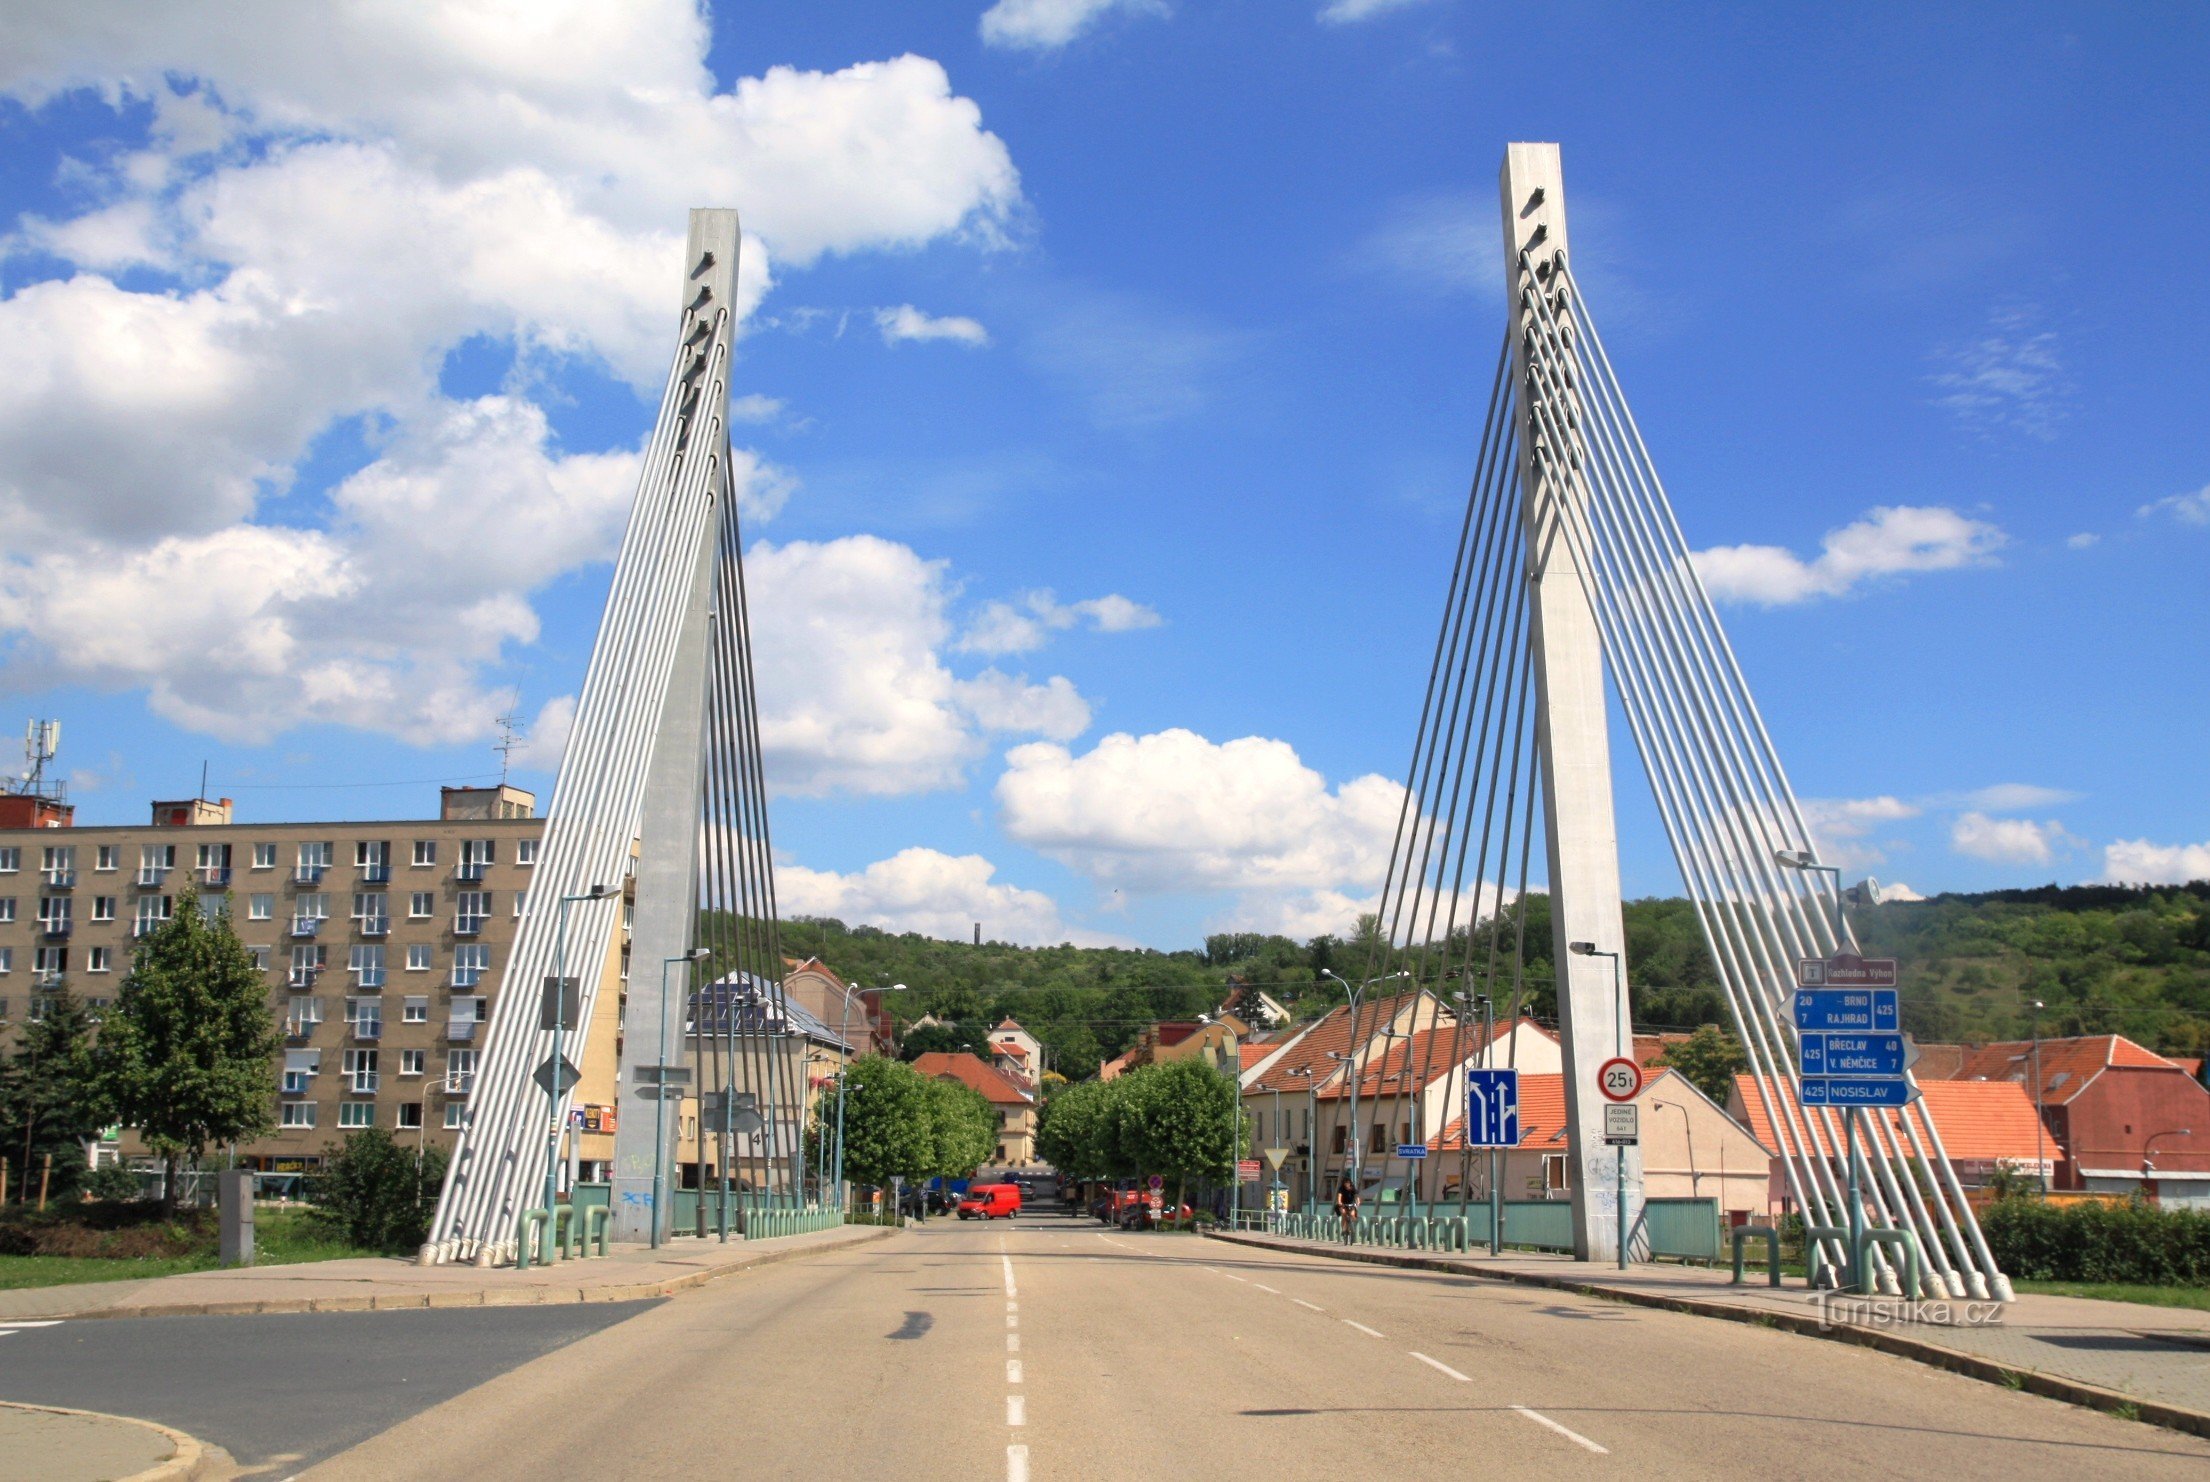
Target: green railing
(754,1216)
(1684,1228)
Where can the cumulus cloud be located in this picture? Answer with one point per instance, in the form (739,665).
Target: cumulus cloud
(546,740)
(1173,811)
(908,323)
(2188,509)
(2140,862)
(854,693)
(934,894)
(1346,12)
(1896,890)
(1439,244)
(2005,797)
(1048,25)
(2010,378)
(1889,541)
(1843,827)
(1027,624)
(2008,840)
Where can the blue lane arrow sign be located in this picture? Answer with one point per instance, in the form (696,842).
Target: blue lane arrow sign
(1492,1108)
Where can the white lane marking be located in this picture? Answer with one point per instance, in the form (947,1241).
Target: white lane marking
(1439,1364)
(26,1322)
(1012,1321)
(1012,1306)
(1301,1302)
(1010,1289)
(1012,1371)
(1016,1410)
(1012,1343)
(1233,1277)
(1574,1436)
(1369,1332)
(1016,1464)
(1262,1286)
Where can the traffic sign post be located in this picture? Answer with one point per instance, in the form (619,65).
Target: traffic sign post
(1620,1079)
(1853,1054)
(1620,1082)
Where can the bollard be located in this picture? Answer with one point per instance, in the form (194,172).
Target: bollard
(526,1230)
(1771,1236)
(1903,1238)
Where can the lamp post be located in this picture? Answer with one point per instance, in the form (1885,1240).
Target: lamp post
(1801,859)
(1620,1046)
(2041,1159)
(660,1101)
(2148,1161)
(1312,1132)
(1688,1130)
(1356,996)
(560,1016)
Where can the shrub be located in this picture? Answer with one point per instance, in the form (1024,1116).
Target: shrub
(2134,1242)
(379,1193)
(112,1183)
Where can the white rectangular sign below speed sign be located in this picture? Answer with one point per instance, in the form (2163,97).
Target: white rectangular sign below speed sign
(1622,1126)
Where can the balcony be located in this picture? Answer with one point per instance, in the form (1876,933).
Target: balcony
(376,874)
(459,1082)
(471,872)
(461,1031)
(306,926)
(365,1028)
(152,877)
(303,977)
(374,926)
(49,978)
(362,1083)
(146,926)
(54,928)
(308,874)
(468,926)
(61,879)
(215,877)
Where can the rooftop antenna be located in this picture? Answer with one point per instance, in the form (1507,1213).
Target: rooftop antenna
(510,736)
(41,740)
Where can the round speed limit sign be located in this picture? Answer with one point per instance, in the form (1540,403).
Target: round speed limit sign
(1619,1079)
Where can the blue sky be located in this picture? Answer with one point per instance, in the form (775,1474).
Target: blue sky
(1108,400)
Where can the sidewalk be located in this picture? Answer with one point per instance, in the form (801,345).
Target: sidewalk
(2104,1354)
(39,1443)
(628,1273)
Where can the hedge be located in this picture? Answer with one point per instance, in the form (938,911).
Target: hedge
(2134,1242)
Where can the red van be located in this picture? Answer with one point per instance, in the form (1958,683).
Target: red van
(991,1202)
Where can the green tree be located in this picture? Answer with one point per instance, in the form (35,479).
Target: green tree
(1709,1059)
(1071,1129)
(188,1056)
(888,1130)
(380,1192)
(963,1127)
(1181,1120)
(50,1105)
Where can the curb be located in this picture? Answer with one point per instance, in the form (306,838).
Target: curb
(530,1296)
(2032,1381)
(192,1459)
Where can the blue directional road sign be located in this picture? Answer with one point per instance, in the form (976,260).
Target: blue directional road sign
(1853,1054)
(1492,1108)
(1847,1010)
(1843,1090)
(1411,1150)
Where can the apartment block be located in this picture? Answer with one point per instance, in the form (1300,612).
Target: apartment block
(383,943)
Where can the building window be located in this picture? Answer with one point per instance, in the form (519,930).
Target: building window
(152,911)
(470,963)
(50,963)
(103,908)
(367,965)
(361,1078)
(302,1017)
(154,863)
(460,1072)
(422,905)
(260,907)
(297,1114)
(371,913)
(461,1018)
(525,851)
(308,961)
(371,854)
(260,956)
(364,1018)
(7,963)
(1341,1140)
(60,865)
(410,1116)
(425,852)
(311,906)
(11,860)
(96,959)
(264,856)
(410,1061)
(418,957)
(456,1115)
(53,915)
(104,857)
(7,910)
(521,903)
(470,909)
(357,1114)
(477,856)
(414,1009)
(1380,1140)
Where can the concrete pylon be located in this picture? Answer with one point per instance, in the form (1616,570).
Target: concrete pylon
(1594,1011)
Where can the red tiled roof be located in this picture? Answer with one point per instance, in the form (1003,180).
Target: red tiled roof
(1174,1032)
(1330,1033)
(1116,1066)
(1651,1048)
(2067,1065)
(1977,1119)
(970,1071)
(1940,1062)
(2192,1064)
(1013,1050)
(816,964)
(1250,1055)
(1010,1023)
(1426,1057)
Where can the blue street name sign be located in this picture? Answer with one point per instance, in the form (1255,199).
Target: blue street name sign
(1853,1054)
(1492,1108)
(1838,1090)
(1411,1150)
(1843,1010)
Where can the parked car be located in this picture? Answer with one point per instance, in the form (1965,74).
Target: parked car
(991,1202)
(1138,1215)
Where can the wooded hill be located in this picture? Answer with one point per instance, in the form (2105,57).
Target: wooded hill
(2103,959)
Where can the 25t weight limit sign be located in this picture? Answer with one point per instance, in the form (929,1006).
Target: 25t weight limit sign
(1620,1079)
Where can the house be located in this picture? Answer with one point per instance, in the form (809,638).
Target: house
(1017,1054)
(1691,1149)
(1650,1048)
(1118,1066)
(1260,1010)
(2126,1117)
(1984,1125)
(1015,1105)
(818,990)
(1213,1041)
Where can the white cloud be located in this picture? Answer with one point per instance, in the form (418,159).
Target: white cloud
(1134,364)
(1006,628)
(1346,12)
(1173,811)
(755,408)
(2006,797)
(1890,540)
(1439,244)
(936,894)
(2008,840)
(1047,25)
(2191,509)
(2081,541)
(2139,862)
(2011,378)
(1842,827)
(546,740)
(908,323)
(1898,891)
(854,695)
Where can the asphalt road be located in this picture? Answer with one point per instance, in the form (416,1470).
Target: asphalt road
(1049,1348)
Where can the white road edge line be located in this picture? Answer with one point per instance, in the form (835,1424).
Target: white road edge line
(1016,1464)
(1445,1368)
(1369,1332)
(1571,1435)
(1016,1410)
(25,1322)
(1301,1302)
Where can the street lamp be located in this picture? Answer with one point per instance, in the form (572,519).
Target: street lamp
(1355,995)
(1312,1133)
(2041,1161)
(560,1015)
(2148,1161)
(1688,1129)
(1619,1040)
(660,1101)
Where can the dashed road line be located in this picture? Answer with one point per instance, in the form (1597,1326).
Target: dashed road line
(1016,1410)
(1012,1371)
(1012,1343)
(1301,1302)
(1369,1332)
(1016,1464)
(1262,1286)
(1439,1364)
(1571,1435)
